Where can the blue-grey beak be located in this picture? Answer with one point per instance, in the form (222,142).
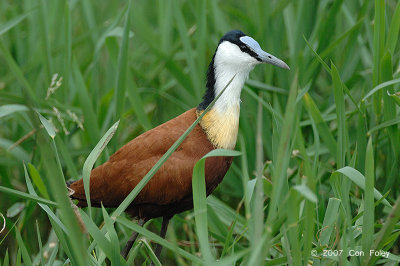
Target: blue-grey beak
(270,59)
(264,56)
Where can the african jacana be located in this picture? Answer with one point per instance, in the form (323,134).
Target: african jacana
(170,190)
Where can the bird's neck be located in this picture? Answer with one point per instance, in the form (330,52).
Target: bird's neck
(221,123)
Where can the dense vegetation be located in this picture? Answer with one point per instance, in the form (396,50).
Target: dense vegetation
(318,174)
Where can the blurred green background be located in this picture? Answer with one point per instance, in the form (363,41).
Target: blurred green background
(84,65)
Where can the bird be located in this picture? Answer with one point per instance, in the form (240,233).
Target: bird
(169,191)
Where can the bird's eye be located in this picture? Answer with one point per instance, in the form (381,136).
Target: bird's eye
(269,57)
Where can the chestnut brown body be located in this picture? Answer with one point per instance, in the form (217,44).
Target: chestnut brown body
(170,189)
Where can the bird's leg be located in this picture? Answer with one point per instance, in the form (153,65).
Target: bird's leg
(132,239)
(164,227)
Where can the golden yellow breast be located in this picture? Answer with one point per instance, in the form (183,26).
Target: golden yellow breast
(221,128)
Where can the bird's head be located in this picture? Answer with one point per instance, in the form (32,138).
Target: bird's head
(236,55)
(237,50)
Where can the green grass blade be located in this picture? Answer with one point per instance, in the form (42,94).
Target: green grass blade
(323,129)
(143,231)
(67,158)
(378,50)
(361,138)
(97,235)
(359,180)
(326,67)
(25,254)
(19,258)
(37,180)
(151,253)
(90,118)
(309,191)
(17,152)
(11,109)
(245,177)
(387,229)
(43,206)
(393,34)
(385,124)
(341,136)
(380,86)
(201,36)
(319,57)
(292,246)
(122,71)
(200,210)
(166,19)
(257,210)
(137,105)
(40,243)
(53,256)
(27,89)
(91,159)
(43,18)
(389,107)
(265,87)
(218,16)
(27,196)
(115,251)
(14,22)
(306,192)
(183,33)
(6,261)
(369,208)
(303,91)
(379,34)
(133,253)
(227,216)
(88,11)
(228,239)
(62,238)
(279,177)
(395,97)
(199,200)
(12,227)
(108,31)
(341,117)
(231,260)
(54,177)
(67,42)
(328,25)
(48,126)
(329,221)
(266,105)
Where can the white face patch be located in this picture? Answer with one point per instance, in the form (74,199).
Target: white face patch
(229,55)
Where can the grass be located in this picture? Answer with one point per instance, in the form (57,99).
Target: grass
(318,173)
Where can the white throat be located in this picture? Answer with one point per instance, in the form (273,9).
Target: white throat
(229,61)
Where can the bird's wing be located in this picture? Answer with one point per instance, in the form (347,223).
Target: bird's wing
(112,181)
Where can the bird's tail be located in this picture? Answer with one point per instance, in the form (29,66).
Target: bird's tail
(74,207)
(70,190)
